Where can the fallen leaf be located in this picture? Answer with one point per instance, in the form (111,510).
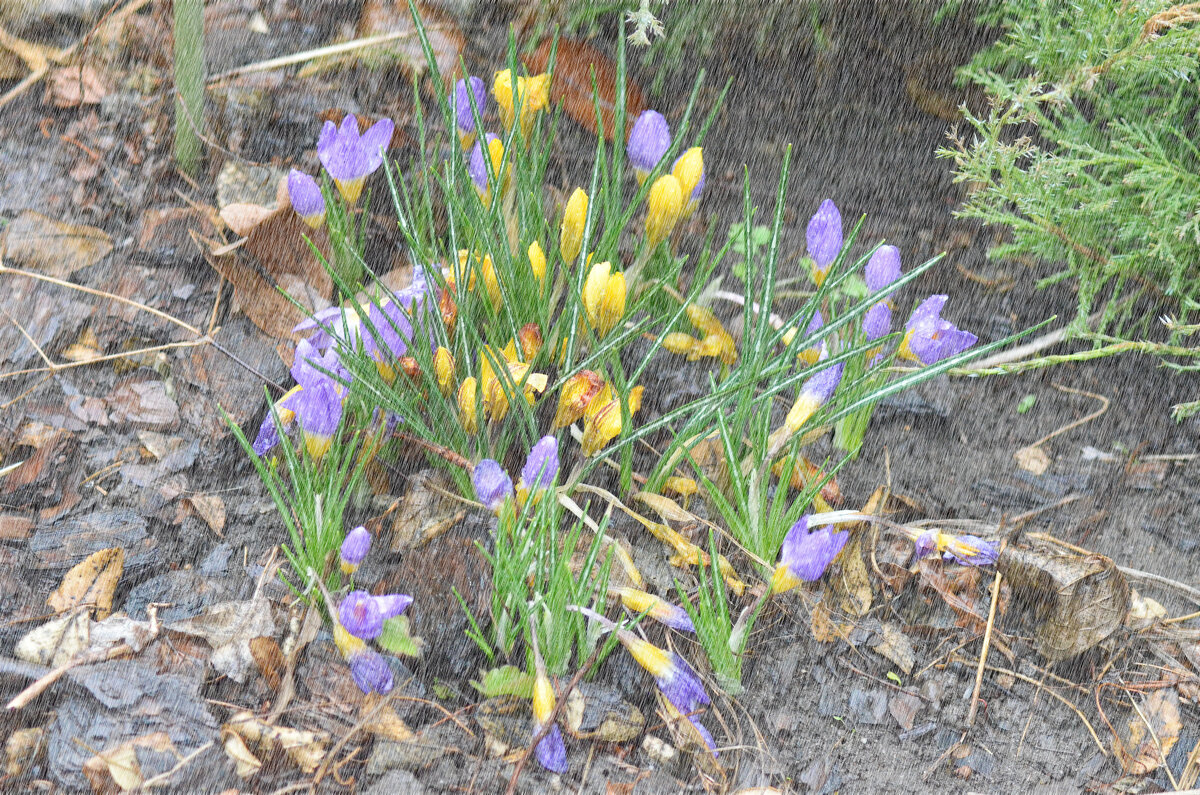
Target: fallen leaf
(853,584)
(86,348)
(57,641)
(24,749)
(269,659)
(92,582)
(72,86)
(446,41)
(1143,611)
(897,647)
(245,763)
(904,708)
(211,509)
(305,749)
(229,627)
(242,218)
(1032,459)
(425,511)
(120,765)
(575,63)
(1139,753)
(382,720)
(397,638)
(143,403)
(825,629)
(1080,599)
(52,247)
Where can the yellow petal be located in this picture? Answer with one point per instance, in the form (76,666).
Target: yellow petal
(443,369)
(688,170)
(466,405)
(594,289)
(703,319)
(664,204)
(678,342)
(612,308)
(537,263)
(491,281)
(574,217)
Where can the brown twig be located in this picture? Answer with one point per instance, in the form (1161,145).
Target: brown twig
(983,652)
(1082,420)
(560,702)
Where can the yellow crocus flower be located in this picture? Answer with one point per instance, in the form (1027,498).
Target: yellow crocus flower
(664,204)
(574,217)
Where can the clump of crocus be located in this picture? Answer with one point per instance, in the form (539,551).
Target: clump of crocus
(928,338)
(657,608)
(354,549)
(966,550)
(604,298)
(532,95)
(305,196)
(492,484)
(716,341)
(689,170)
(464,90)
(649,140)
(663,207)
(602,417)
(478,169)
(551,752)
(362,615)
(676,679)
(349,157)
(806,555)
(824,239)
(570,239)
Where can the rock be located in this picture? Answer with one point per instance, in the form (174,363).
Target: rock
(396,781)
(868,706)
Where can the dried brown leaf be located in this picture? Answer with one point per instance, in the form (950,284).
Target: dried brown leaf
(306,749)
(120,765)
(897,647)
(72,86)
(54,248)
(575,64)
(852,583)
(211,509)
(1141,753)
(92,582)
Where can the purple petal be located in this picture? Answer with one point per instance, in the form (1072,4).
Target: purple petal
(393,604)
(822,385)
(268,435)
(877,321)
(541,467)
(925,544)
(360,616)
(356,546)
(682,686)
(305,194)
(492,484)
(318,408)
(824,234)
(986,551)
(649,140)
(371,672)
(477,167)
(883,268)
(375,141)
(808,555)
(704,734)
(462,102)
(551,752)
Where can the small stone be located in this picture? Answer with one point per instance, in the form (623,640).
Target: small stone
(660,751)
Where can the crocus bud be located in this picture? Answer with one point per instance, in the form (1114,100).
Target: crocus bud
(541,467)
(466,405)
(530,337)
(463,91)
(537,263)
(478,169)
(443,370)
(664,204)
(649,140)
(604,298)
(574,217)
(354,549)
(492,484)
(883,268)
(306,198)
(448,310)
(689,170)
(824,238)
(491,282)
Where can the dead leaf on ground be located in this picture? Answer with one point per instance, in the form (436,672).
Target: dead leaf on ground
(425,512)
(825,629)
(278,244)
(1143,611)
(72,86)
(897,647)
(305,749)
(229,627)
(211,509)
(57,641)
(92,582)
(1032,459)
(84,349)
(120,765)
(575,63)
(1080,599)
(852,583)
(145,404)
(54,248)
(1140,753)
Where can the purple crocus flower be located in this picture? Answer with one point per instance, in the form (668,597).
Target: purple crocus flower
(551,752)
(649,140)
(318,402)
(966,550)
(464,118)
(370,671)
(331,324)
(362,615)
(541,467)
(477,166)
(354,549)
(349,157)
(883,268)
(824,235)
(877,321)
(306,198)
(492,484)
(805,556)
(929,338)
(268,436)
